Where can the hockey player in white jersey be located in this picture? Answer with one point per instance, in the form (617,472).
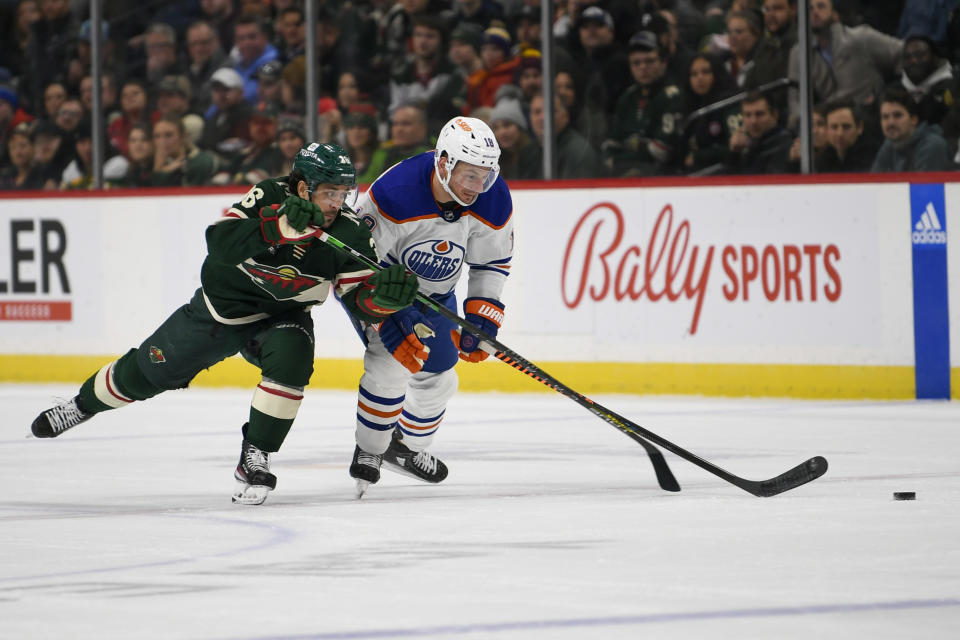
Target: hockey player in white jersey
(440,214)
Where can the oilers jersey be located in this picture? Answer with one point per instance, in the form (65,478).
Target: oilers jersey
(411,228)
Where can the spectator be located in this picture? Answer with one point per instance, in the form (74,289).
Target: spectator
(362,137)
(23,172)
(50,152)
(13,46)
(520,156)
(290,138)
(205,57)
(604,66)
(465,43)
(932,83)
(575,157)
(220,15)
(262,158)
(160,43)
(644,133)
(133,110)
(408,137)
(342,38)
(761,145)
(226,129)
(678,55)
(292,34)
(396,27)
(252,51)
(108,96)
(780,21)
(11,116)
(483,13)
(707,138)
(351,89)
(330,121)
(428,78)
(293,82)
(134,168)
(268,84)
(689,18)
(176,162)
(79,173)
(51,42)
(587,120)
(53,96)
(174,99)
(79,65)
(69,117)
(744,30)
(847,62)
(527,23)
(848,149)
(819,138)
(910,145)
(529,75)
(927,18)
(498,68)
(773,52)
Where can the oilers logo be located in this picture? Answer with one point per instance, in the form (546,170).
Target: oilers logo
(434,260)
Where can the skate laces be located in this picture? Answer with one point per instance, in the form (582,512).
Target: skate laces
(368,459)
(65,415)
(426,462)
(256,460)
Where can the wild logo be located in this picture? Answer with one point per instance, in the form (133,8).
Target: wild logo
(283,283)
(156,355)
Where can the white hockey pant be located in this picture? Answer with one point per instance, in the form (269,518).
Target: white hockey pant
(391,397)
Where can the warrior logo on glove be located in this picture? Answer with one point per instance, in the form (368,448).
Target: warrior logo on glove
(486,314)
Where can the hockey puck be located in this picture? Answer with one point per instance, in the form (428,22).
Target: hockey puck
(905,495)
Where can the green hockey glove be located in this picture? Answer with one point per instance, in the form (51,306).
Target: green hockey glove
(301,213)
(290,223)
(388,290)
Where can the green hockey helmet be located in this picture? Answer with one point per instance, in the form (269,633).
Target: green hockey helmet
(324,163)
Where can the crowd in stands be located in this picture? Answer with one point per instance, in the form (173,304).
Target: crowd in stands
(212,92)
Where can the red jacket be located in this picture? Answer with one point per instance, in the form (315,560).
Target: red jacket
(482,86)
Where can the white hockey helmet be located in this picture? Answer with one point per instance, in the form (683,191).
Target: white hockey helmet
(467,140)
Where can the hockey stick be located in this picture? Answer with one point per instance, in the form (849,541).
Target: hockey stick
(791,479)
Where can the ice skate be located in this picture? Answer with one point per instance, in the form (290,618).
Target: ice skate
(420,465)
(365,469)
(55,421)
(254,480)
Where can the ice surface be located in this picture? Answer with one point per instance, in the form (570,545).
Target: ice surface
(550,525)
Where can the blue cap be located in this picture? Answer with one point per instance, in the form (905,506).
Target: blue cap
(8,94)
(86,30)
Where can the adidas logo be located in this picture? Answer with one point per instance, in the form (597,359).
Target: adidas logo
(928,229)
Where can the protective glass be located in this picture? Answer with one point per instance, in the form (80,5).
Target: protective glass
(334,197)
(470,177)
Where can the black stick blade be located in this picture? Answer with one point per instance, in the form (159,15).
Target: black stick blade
(664,475)
(799,475)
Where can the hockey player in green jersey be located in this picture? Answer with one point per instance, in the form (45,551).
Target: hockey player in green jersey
(263,272)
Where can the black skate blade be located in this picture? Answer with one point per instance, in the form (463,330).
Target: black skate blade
(405,471)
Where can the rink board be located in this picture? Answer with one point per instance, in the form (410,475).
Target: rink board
(793,288)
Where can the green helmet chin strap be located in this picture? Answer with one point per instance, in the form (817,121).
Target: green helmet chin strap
(324,163)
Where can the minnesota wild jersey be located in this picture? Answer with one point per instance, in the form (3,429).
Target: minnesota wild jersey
(645,130)
(246,278)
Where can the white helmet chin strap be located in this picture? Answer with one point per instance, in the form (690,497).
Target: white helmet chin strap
(445,182)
